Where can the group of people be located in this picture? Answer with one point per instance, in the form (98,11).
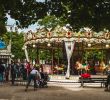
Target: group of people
(26,71)
(22,71)
(4,71)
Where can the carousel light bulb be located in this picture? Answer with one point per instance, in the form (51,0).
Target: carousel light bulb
(34,45)
(48,44)
(25,46)
(107,45)
(89,44)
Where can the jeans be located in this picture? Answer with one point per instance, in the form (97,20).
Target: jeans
(30,78)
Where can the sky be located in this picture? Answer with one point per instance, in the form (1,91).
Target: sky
(12,22)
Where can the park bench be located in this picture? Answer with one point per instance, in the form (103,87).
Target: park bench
(93,80)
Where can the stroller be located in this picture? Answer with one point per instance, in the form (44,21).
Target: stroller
(44,79)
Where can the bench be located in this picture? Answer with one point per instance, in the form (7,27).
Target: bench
(92,80)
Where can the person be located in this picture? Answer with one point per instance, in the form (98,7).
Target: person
(28,68)
(2,69)
(34,74)
(7,73)
(108,79)
(13,72)
(23,72)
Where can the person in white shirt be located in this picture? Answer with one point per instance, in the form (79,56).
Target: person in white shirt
(34,74)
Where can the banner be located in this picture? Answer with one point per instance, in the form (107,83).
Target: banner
(69,45)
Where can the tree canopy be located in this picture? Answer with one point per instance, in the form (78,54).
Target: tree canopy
(17,43)
(78,13)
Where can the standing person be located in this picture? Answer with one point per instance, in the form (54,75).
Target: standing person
(34,74)
(7,73)
(28,68)
(108,79)
(23,71)
(13,72)
(2,69)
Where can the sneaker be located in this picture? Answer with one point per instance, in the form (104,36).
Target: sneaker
(25,90)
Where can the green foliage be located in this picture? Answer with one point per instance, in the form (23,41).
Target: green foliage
(17,44)
(51,21)
(45,55)
(2,29)
(58,53)
(78,13)
(94,54)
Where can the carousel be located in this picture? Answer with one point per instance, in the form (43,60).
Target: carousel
(65,35)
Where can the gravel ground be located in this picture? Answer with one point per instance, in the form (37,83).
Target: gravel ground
(55,91)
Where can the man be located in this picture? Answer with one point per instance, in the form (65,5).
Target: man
(2,69)
(108,79)
(13,72)
(34,74)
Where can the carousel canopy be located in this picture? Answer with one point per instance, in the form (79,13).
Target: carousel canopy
(59,34)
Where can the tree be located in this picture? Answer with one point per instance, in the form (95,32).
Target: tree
(17,44)
(83,13)
(51,21)
(25,12)
(78,13)
(96,55)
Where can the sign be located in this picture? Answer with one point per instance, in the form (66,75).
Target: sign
(2,45)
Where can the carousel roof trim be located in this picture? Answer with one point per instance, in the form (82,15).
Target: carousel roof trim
(59,34)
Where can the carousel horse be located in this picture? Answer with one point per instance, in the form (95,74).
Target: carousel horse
(79,67)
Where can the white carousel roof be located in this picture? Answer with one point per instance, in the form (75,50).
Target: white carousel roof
(59,34)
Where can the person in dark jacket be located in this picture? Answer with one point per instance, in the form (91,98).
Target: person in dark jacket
(13,72)
(2,69)
(108,79)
